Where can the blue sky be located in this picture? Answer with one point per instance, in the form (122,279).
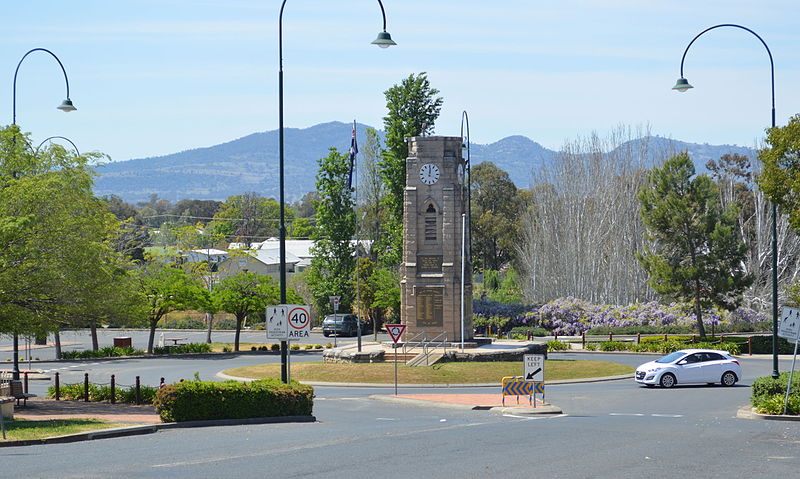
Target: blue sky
(153,77)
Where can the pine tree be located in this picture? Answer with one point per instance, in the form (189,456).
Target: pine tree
(696,256)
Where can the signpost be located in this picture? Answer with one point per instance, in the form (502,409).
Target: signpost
(395,332)
(335,303)
(790,329)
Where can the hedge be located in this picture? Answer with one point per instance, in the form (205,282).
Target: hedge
(768,394)
(201,400)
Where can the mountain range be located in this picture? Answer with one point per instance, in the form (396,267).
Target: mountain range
(250,164)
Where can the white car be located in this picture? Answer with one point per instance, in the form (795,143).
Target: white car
(690,366)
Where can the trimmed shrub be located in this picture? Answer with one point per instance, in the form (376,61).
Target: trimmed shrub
(74,392)
(555,345)
(201,400)
(183,349)
(275,347)
(523,331)
(768,394)
(107,352)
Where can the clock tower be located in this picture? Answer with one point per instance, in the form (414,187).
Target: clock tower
(434,226)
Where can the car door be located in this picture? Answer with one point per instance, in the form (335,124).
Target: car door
(713,367)
(689,369)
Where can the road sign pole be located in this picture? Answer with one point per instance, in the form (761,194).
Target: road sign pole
(395,369)
(791,373)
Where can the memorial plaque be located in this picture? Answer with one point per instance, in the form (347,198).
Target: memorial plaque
(429,263)
(429,307)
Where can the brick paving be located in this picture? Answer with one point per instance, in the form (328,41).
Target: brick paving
(479,400)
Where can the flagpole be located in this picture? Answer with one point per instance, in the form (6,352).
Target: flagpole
(354,173)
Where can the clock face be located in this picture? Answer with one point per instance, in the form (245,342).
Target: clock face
(429,173)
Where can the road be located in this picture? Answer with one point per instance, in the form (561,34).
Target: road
(610,429)
(75,340)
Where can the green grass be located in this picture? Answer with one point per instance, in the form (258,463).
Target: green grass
(24,429)
(445,373)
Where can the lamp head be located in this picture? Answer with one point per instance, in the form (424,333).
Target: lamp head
(682,85)
(67,105)
(384,40)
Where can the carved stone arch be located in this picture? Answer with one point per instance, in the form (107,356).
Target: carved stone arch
(430,204)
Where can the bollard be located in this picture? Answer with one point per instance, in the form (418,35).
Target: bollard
(25,383)
(138,391)
(85,387)
(750,345)
(555,336)
(638,338)
(610,336)
(58,388)
(583,340)
(694,338)
(665,337)
(113,390)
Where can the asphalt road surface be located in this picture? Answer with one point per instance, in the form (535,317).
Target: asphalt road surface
(77,340)
(612,429)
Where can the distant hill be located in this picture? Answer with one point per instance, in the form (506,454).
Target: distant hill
(250,163)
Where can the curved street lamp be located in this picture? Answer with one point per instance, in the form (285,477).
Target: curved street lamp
(59,138)
(384,40)
(65,106)
(683,85)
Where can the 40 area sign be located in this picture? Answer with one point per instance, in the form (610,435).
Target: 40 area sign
(299,321)
(288,321)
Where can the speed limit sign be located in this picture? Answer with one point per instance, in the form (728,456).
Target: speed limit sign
(299,321)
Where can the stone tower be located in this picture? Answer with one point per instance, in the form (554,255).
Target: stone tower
(430,275)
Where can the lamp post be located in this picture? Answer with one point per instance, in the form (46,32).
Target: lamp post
(464,250)
(65,106)
(683,85)
(384,40)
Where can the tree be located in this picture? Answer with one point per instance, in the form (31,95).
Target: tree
(165,287)
(582,225)
(372,193)
(333,262)
(56,265)
(497,208)
(696,256)
(195,211)
(248,218)
(780,178)
(248,293)
(413,110)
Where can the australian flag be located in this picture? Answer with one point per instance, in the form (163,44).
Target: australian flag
(353,153)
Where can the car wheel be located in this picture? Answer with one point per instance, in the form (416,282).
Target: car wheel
(728,378)
(667,380)
(326,334)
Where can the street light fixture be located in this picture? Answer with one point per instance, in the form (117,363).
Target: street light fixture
(66,105)
(683,85)
(384,40)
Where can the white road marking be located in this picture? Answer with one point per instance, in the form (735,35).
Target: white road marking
(636,414)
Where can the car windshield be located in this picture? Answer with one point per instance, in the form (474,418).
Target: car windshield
(670,357)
